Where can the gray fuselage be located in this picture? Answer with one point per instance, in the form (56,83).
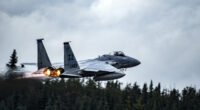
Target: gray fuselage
(120,61)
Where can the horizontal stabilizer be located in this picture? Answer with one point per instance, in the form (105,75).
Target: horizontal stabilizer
(70,76)
(31,64)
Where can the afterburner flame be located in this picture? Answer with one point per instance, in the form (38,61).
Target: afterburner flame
(47,72)
(58,72)
(53,73)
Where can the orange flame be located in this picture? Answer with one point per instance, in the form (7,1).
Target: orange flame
(54,73)
(47,72)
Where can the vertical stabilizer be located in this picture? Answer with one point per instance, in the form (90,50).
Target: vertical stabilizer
(70,62)
(43,59)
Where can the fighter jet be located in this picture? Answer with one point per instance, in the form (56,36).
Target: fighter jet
(105,67)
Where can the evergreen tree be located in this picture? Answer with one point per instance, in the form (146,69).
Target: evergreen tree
(126,97)
(135,94)
(13,60)
(138,105)
(144,94)
(72,94)
(150,102)
(151,89)
(157,98)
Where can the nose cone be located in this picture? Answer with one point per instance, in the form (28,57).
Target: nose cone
(135,62)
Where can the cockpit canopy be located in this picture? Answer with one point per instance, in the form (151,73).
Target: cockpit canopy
(118,53)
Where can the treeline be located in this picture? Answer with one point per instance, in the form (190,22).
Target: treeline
(76,94)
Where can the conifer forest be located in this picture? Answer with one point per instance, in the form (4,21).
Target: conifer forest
(86,94)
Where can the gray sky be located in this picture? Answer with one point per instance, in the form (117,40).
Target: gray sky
(162,34)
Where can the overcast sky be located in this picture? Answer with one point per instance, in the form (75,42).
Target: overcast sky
(163,34)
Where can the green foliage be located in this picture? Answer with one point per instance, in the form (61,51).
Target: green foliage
(13,60)
(76,94)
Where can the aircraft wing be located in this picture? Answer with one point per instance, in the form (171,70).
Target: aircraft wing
(88,65)
(96,65)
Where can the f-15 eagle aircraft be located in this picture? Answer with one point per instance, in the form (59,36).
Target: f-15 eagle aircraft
(105,67)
